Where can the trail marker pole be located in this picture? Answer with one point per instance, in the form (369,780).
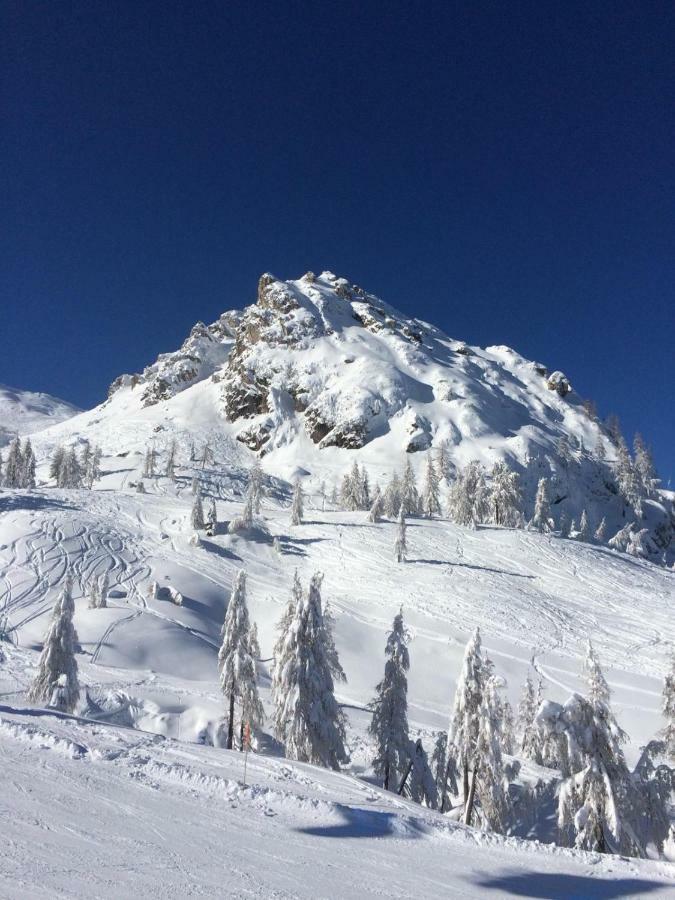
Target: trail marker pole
(247,746)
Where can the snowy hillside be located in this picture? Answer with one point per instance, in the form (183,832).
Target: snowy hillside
(313,378)
(25,412)
(317,371)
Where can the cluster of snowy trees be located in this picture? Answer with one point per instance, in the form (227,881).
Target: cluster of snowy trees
(636,476)
(70,470)
(18,471)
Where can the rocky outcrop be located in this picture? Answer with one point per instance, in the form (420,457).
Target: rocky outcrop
(558,382)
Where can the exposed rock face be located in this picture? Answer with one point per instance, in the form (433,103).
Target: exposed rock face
(559,383)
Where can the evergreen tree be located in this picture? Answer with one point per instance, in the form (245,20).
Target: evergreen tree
(94,594)
(377,508)
(541,520)
(598,689)
(297,508)
(644,467)
(254,643)
(28,466)
(464,725)
(584,532)
(244,522)
(56,682)
(364,489)
(488,766)
(92,469)
(431,504)
(621,539)
(627,478)
(401,547)
(291,613)
(410,498)
(601,531)
(351,492)
(507,734)
(564,526)
(14,465)
(197,514)
(70,471)
(308,718)
(527,713)
(420,785)
(212,516)
(392,497)
(150,462)
(443,461)
(504,496)
(469,496)
(104,587)
(208,457)
(170,469)
(2,463)
(669,710)
(235,663)
(256,487)
(389,726)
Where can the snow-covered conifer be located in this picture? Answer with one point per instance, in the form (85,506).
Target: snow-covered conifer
(465,721)
(527,712)
(103,588)
(14,465)
(150,462)
(669,710)
(212,516)
(431,504)
(443,461)
(56,465)
(400,546)
(377,507)
(507,734)
(94,594)
(170,468)
(208,456)
(140,487)
(504,496)
(627,478)
(92,469)
(389,725)
(297,508)
(196,485)
(291,611)
(410,498)
(488,769)
(584,532)
(197,514)
(621,539)
(598,689)
(70,471)
(468,499)
(28,466)
(392,497)
(601,531)
(56,681)
(256,480)
(245,521)
(420,785)
(644,467)
(254,643)
(541,520)
(640,544)
(308,718)
(364,489)
(564,525)
(235,663)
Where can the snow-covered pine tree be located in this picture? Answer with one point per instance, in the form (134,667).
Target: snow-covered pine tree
(92,470)
(150,461)
(235,663)
(504,496)
(254,643)
(410,498)
(196,485)
(103,588)
(584,532)
(420,785)
(94,594)
(2,465)
(627,478)
(289,615)
(401,546)
(28,466)
(70,471)
(244,522)
(601,531)
(297,508)
(468,498)
(431,504)
(488,770)
(197,514)
(364,489)
(170,468)
(507,735)
(56,681)
(256,480)
(212,516)
(669,710)
(527,711)
(392,497)
(464,724)
(621,539)
(56,465)
(389,725)
(541,520)
(564,525)
(308,718)
(377,507)
(644,467)
(598,689)
(140,487)
(443,461)
(14,465)
(351,491)
(439,766)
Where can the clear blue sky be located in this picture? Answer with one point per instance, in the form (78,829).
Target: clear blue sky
(505,170)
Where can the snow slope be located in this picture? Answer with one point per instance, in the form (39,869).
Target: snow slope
(25,412)
(97,811)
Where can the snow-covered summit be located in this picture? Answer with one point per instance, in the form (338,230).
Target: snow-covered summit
(317,369)
(25,412)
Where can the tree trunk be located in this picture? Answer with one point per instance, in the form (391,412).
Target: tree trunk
(241,734)
(405,778)
(386,777)
(466,782)
(468,809)
(230,727)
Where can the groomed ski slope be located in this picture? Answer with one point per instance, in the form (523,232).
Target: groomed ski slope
(96,811)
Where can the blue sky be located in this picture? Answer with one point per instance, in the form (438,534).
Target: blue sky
(503,170)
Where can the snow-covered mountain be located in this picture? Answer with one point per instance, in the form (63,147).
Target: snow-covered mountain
(25,412)
(318,371)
